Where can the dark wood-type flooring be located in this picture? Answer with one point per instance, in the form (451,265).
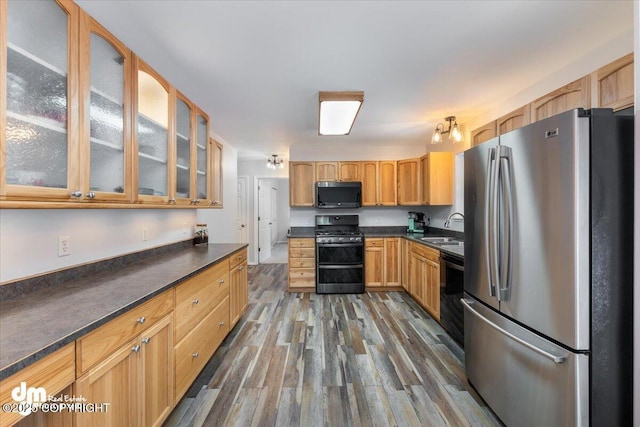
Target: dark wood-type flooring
(295,359)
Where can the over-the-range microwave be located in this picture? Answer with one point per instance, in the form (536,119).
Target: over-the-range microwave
(338,195)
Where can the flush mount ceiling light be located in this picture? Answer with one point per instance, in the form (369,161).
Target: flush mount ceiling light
(455,134)
(275,162)
(338,111)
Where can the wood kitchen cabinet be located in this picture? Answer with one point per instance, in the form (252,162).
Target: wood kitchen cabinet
(327,171)
(424,275)
(514,120)
(382,262)
(405,247)
(576,94)
(302,264)
(136,379)
(409,190)
(437,178)
(483,133)
(349,171)
(615,84)
(302,179)
(216,173)
(379,183)
(238,290)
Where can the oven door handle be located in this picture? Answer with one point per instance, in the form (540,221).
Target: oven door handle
(453,265)
(340,266)
(339,245)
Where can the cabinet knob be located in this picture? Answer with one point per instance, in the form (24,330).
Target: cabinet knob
(221,323)
(77,194)
(241,268)
(91,195)
(172,201)
(240,257)
(195,354)
(196,301)
(146,340)
(141,320)
(221,281)
(135,348)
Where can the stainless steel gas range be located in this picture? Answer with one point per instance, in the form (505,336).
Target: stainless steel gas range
(339,255)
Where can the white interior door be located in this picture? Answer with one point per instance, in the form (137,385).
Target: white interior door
(264,220)
(241,226)
(274,216)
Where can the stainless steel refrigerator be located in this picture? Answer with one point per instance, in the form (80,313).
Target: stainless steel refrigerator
(548,315)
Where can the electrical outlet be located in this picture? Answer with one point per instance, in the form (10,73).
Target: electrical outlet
(64,247)
(145,234)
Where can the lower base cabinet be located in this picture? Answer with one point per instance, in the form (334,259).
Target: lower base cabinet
(382,262)
(136,381)
(424,278)
(238,292)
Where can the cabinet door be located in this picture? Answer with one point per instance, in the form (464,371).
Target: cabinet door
(369,171)
(437,178)
(182,186)
(302,179)
(349,171)
(405,257)
(238,293)
(203,162)
(156,356)
(326,171)
(514,120)
(105,114)
(387,183)
(432,288)
(576,94)
(152,139)
(216,173)
(113,381)
(417,273)
(392,264)
(39,141)
(374,265)
(409,182)
(615,84)
(483,133)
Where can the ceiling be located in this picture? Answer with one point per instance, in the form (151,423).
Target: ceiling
(256,67)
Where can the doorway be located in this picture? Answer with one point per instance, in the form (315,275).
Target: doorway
(272,220)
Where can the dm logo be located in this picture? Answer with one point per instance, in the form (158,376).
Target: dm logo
(29,396)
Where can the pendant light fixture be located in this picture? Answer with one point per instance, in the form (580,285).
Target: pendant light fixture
(455,134)
(274,162)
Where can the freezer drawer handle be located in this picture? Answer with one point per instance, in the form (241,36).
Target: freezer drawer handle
(550,356)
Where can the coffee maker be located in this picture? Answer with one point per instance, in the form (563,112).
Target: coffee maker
(416,222)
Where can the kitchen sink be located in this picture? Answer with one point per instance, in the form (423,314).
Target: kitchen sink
(439,240)
(450,244)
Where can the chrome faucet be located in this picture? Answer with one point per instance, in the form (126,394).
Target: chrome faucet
(447,223)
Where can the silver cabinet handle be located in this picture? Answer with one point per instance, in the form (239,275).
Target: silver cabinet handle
(195,354)
(221,281)
(196,301)
(240,257)
(241,268)
(550,356)
(141,320)
(77,194)
(221,324)
(91,195)
(172,201)
(146,340)
(135,348)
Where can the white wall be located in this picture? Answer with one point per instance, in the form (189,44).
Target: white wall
(222,223)
(636,251)
(282,208)
(256,169)
(29,238)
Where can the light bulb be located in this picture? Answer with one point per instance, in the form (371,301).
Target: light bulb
(455,135)
(437,137)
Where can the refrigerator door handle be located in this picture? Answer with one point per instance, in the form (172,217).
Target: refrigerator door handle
(555,358)
(489,223)
(506,177)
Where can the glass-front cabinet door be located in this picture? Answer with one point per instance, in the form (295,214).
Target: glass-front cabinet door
(38,113)
(203,197)
(105,111)
(152,136)
(184,148)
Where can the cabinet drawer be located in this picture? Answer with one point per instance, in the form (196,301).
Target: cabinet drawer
(302,243)
(196,297)
(195,350)
(302,252)
(374,243)
(302,282)
(53,372)
(237,257)
(102,342)
(302,263)
(425,251)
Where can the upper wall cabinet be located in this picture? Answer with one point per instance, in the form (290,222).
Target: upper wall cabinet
(302,178)
(514,120)
(184,143)
(216,173)
(379,183)
(483,133)
(576,94)
(615,84)
(349,171)
(327,171)
(437,178)
(202,196)
(38,114)
(409,182)
(105,114)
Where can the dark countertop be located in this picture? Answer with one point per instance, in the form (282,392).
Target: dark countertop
(35,324)
(396,231)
